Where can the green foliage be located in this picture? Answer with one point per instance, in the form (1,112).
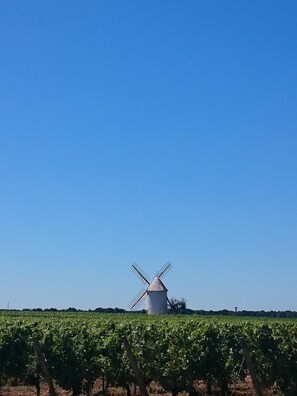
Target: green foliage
(72,357)
(173,350)
(178,305)
(18,362)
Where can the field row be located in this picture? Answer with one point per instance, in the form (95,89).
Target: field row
(175,351)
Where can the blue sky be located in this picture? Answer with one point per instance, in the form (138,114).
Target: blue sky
(148,132)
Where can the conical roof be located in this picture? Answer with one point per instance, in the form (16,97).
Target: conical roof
(157,285)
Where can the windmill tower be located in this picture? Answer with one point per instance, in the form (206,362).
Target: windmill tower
(155,291)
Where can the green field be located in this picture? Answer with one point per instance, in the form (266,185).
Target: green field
(173,350)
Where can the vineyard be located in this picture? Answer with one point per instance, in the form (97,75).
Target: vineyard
(175,351)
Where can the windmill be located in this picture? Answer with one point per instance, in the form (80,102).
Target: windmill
(155,291)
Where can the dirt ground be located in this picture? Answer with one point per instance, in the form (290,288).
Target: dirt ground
(244,388)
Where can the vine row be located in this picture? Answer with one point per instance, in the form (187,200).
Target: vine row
(175,352)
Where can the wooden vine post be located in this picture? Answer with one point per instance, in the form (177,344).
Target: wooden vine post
(250,366)
(135,368)
(43,363)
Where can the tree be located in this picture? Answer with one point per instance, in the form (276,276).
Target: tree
(178,305)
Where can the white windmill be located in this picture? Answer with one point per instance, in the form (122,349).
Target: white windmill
(155,291)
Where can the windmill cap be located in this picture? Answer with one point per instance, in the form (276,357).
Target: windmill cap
(157,285)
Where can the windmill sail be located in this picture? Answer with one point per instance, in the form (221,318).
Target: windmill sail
(137,300)
(163,271)
(170,305)
(140,274)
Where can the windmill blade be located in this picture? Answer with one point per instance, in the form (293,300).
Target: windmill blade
(164,270)
(137,299)
(140,273)
(170,305)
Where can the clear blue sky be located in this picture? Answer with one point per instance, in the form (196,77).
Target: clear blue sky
(148,131)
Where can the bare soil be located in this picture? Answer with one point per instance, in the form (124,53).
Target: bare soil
(244,388)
